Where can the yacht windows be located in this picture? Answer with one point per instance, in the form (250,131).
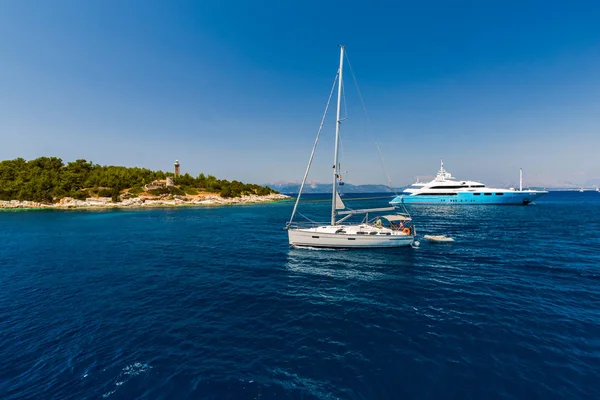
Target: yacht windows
(499,194)
(456,187)
(487,194)
(476,194)
(435,194)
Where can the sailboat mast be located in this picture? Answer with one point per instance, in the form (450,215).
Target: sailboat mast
(337,137)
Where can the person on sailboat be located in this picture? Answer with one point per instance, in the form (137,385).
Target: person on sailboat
(378,222)
(397,226)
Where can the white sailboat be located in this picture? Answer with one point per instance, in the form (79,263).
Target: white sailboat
(339,233)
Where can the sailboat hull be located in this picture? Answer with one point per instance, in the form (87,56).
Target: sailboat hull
(311,238)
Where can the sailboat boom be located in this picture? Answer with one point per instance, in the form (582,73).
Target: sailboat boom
(366,210)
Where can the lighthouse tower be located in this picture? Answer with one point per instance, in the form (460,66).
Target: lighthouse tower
(176,167)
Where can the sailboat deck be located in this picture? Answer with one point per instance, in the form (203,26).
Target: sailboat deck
(362,229)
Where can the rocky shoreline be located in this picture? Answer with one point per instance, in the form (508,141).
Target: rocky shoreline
(143,202)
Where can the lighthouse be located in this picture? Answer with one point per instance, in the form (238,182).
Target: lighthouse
(176,167)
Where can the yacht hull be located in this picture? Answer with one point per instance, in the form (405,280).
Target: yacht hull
(466,198)
(307,238)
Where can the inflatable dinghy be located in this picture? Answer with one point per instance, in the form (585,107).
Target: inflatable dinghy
(438,238)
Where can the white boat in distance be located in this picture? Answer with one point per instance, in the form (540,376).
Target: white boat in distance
(375,233)
(447,190)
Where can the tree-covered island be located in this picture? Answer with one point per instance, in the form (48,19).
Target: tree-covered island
(47,180)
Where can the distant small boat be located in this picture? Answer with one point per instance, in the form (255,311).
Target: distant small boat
(581,190)
(438,238)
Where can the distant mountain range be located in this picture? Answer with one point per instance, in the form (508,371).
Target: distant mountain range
(289,187)
(292,188)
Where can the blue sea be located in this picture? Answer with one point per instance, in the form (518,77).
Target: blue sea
(211,303)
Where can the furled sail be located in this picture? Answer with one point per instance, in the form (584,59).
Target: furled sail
(339,204)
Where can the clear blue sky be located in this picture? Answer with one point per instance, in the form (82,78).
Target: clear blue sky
(237,88)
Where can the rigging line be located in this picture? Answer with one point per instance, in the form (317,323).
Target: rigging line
(312,154)
(369,127)
(345,104)
(341,143)
(389,179)
(362,101)
(385,170)
(343,154)
(308,219)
